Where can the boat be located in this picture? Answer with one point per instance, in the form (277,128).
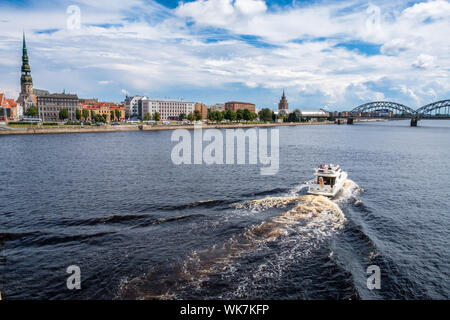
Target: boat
(329,180)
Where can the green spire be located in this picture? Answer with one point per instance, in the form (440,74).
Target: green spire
(26,70)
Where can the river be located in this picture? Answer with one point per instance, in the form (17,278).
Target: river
(140,227)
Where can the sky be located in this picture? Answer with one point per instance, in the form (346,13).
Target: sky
(325,54)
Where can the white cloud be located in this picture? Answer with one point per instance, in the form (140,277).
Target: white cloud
(424,61)
(149,47)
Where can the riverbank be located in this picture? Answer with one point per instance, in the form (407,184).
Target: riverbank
(6,130)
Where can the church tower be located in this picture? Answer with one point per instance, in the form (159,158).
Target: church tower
(26,97)
(283,105)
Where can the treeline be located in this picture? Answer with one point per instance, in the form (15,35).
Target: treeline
(239,115)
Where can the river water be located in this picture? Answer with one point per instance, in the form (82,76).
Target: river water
(140,227)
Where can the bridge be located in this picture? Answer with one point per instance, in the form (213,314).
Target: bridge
(388,109)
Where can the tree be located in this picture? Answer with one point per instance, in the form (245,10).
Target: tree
(117,112)
(197,115)
(247,115)
(211,115)
(232,115)
(147,117)
(274,116)
(112,115)
(32,111)
(78,114)
(156,116)
(85,114)
(92,115)
(100,118)
(63,114)
(293,116)
(240,115)
(265,115)
(218,116)
(182,116)
(191,116)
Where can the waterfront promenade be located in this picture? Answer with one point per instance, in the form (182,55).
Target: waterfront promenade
(6,130)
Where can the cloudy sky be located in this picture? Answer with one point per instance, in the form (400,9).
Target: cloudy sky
(334,54)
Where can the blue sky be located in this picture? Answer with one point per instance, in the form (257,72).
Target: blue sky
(333,54)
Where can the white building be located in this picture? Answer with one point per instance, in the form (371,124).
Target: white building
(133,106)
(168,109)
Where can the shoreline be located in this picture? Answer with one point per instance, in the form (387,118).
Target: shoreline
(126,128)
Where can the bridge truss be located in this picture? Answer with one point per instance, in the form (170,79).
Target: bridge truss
(439,109)
(378,106)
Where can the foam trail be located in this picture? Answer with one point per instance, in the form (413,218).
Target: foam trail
(310,221)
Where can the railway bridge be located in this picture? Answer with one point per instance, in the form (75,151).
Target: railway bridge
(388,109)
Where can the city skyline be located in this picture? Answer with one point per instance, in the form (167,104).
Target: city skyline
(214,51)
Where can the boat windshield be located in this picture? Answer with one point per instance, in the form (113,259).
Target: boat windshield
(328,181)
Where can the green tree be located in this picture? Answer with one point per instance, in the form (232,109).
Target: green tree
(274,116)
(85,114)
(240,115)
(211,115)
(218,116)
(117,112)
(92,115)
(31,111)
(265,115)
(294,116)
(78,114)
(112,115)
(147,117)
(63,114)
(197,115)
(247,115)
(156,116)
(191,116)
(182,116)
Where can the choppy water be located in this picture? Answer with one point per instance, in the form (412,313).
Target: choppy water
(140,227)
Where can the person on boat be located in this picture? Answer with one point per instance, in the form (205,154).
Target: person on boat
(320,181)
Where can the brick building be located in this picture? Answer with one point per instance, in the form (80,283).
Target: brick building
(235,106)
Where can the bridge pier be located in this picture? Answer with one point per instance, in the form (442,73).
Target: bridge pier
(349,120)
(414,122)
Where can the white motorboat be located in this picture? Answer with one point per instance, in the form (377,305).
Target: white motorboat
(329,180)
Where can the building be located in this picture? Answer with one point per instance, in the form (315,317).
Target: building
(133,106)
(168,109)
(218,107)
(9,109)
(203,110)
(50,105)
(314,114)
(82,102)
(27,98)
(104,108)
(235,106)
(283,105)
(39,92)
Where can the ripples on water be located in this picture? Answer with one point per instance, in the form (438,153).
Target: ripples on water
(141,228)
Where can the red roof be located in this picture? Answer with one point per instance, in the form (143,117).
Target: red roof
(11,103)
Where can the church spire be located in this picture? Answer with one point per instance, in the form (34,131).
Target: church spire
(26,70)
